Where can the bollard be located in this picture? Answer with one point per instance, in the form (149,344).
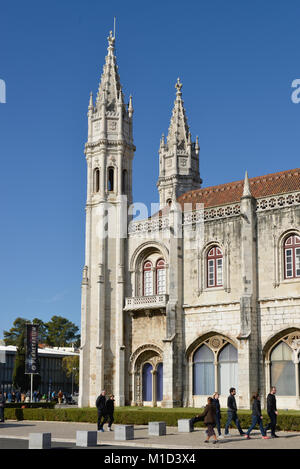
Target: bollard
(185,426)
(157,428)
(39,441)
(86,438)
(124,432)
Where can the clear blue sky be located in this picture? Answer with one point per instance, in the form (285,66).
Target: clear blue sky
(236,60)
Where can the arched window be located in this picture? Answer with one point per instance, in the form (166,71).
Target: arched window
(160,277)
(110,179)
(214,267)
(283,370)
(147,279)
(203,370)
(124,181)
(292,257)
(228,369)
(147,382)
(96,180)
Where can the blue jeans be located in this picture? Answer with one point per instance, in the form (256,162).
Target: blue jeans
(256,420)
(232,416)
(218,423)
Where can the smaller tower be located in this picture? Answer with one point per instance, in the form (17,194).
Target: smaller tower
(178,156)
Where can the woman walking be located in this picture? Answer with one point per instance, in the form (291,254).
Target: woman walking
(256,418)
(209,416)
(216,403)
(110,407)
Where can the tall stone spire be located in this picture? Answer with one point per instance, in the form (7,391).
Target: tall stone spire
(246,191)
(110,90)
(110,119)
(179,156)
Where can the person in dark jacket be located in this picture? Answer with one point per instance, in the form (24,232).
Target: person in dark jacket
(110,407)
(101,408)
(209,415)
(272,412)
(256,418)
(2,405)
(216,403)
(232,413)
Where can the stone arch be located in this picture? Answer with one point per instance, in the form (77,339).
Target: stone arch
(278,242)
(142,251)
(215,341)
(287,335)
(145,354)
(209,336)
(137,259)
(141,353)
(202,265)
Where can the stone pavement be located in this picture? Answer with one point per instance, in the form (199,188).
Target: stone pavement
(66,432)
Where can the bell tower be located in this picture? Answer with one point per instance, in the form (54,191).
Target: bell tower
(109,153)
(178,156)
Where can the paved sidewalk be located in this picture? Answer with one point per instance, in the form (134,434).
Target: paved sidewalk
(66,432)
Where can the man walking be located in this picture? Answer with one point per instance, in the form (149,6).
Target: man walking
(102,412)
(272,412)
(232,412)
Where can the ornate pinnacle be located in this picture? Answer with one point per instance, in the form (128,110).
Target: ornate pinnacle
(178,87)
(111,41)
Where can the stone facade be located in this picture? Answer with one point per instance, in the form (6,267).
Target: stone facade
(204,291)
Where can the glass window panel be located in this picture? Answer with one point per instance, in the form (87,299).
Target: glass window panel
(148,283)
(159,382)
(289,262)
(204,379)
(219,271)
(203,354)
(161,281)
(211,273)
(228,376)
(147,382)
(281,352)
(283,377)
(228,354)
(297,260)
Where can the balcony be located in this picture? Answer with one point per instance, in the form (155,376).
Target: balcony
(151,302)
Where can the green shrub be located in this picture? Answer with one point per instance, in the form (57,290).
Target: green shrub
(287,420)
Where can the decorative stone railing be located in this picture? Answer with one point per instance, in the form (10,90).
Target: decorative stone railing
(137,303)
(148,226)
(278,201)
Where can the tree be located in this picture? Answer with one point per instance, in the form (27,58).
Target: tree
(70,366)
(61,332)
(12,336)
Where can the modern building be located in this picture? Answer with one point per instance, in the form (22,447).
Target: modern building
(200,297)
(53,377)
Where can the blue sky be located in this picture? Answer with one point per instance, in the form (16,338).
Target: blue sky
(237,61)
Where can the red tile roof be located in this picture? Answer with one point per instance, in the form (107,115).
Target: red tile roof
(260,186)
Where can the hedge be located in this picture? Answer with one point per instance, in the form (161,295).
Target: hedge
(287,420)
(31,405)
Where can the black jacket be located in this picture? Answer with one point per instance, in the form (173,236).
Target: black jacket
(101,402)
(231,403)
(256,408)
(216,403)
(271,403)
(2,400)
(110,406)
